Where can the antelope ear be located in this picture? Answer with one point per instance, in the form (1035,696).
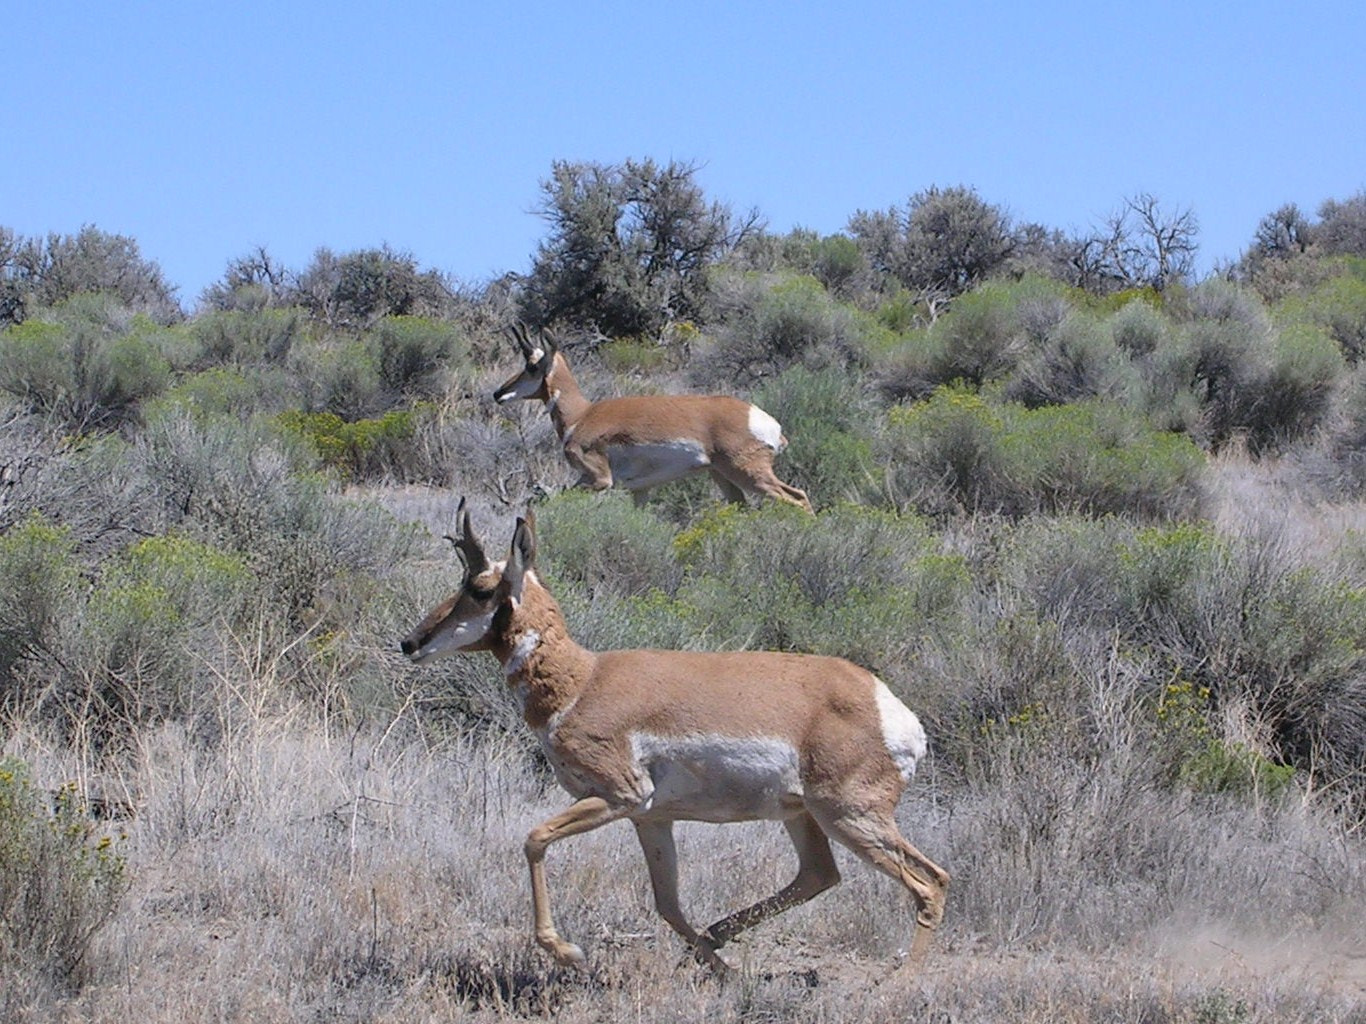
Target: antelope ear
(521,558)
(546,344)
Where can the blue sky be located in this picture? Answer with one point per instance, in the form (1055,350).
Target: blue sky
(205,130)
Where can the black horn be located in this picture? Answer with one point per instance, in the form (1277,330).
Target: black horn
(518,333)
(471,551)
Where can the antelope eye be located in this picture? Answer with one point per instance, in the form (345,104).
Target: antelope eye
(480,593)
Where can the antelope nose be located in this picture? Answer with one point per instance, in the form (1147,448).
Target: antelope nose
(408,645)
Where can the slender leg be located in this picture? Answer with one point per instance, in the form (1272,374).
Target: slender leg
(816,872)
(758,477)
(730,491)
(797,496)
(583,816)
(594,469)
(661,856)
(874,837)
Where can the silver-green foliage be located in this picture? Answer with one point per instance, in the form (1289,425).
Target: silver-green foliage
(59,881)
(87,365)
(959,451)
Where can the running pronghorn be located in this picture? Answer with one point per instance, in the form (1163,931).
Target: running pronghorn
(662,736)
(638,442)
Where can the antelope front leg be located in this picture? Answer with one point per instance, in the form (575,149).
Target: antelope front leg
(583,816)
(595,471)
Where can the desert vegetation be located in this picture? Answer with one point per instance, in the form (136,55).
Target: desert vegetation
(1098,522)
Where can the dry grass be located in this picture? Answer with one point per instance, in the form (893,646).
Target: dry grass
(1272,497)
(294,876)
(295,871)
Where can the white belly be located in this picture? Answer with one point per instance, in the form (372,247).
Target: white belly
(719,779)
(641,466)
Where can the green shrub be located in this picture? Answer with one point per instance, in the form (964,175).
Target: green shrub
(1229,372)
(775,325)
(366,449)
(1127,298)
(899,312)
(910,368)
(1296,396)
(1298,657)
(1222,362)
(1223,767)
(1250,380)
(86,374)
(603,543)
(945,450)
(862,584)
(247,337)
(226,391)
(635,355)
(224,476)
(1338,306)
(1071,360)
(957,451)
(155,605)
(34,364)
(414,352)
(1099,459)
(250,489)
(1065,568)
(59,883)
(976,341)
(39,584)
(1201,760)
(837,262)
(340,375)
(1139,329)
(1163,572)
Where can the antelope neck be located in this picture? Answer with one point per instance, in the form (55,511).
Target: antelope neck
(546,667)
(566,403)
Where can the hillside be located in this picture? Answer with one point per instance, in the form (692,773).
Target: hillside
(1104,536)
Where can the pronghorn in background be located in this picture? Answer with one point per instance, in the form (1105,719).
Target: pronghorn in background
(638,442)
(655,737)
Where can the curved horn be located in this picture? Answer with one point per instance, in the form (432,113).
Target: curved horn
(471,551)
(518,333)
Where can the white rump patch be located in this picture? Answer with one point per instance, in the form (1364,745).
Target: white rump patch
(717,778)
(765,428)
(902,733)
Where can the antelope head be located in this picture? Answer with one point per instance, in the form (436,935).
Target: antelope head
(479,612)
(531,382)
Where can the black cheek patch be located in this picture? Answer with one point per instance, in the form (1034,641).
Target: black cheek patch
(502,619)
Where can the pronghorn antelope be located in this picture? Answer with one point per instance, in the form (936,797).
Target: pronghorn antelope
(641,441)
(662,736)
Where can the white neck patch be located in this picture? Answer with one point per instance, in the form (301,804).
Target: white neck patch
(522,650)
